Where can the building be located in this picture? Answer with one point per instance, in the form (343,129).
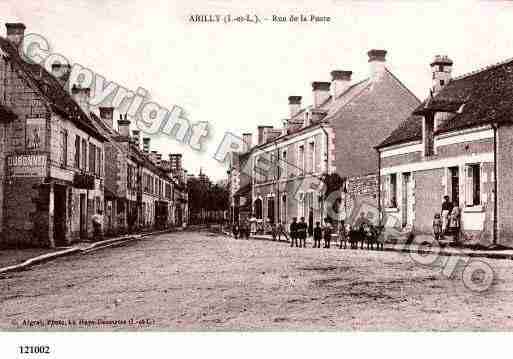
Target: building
(458,143)
(52,157)
(61,162)
(336,134)
(141,189)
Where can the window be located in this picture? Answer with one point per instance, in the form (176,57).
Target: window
(442,82)
(64,148)
(284,164)
(301,160)
(300,205)
(429,139)
(311,157)
(92,158)
(98,161)
(77,152)
(391,191)
(473,185)
(84,155)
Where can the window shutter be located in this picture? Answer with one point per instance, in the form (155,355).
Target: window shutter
(468,186)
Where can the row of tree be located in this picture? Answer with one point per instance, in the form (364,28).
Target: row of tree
(208,202)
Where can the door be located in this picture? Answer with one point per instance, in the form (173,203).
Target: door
(59,216)
(270,209)
(407,202)
(455,181)
(83,216)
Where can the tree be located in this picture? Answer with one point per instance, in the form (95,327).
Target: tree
(333,182)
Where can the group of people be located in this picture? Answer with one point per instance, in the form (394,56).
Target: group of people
(299,230)
(448,221)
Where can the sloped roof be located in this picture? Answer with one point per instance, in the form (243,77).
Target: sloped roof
(50,88)
(409,130)
(478,98)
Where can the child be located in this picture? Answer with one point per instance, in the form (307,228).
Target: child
(437,226)
(454,222)
(317,235)
(327,233)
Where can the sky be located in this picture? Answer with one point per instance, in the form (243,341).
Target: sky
(237,76)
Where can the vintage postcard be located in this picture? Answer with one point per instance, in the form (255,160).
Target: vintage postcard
(215,165)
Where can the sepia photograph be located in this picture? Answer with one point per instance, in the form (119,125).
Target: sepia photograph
(224,167)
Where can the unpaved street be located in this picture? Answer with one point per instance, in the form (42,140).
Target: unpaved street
(195,281)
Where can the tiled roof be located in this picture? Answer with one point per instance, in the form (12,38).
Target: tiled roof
(334,107)
(409,130)
(475,99)
(58,98)
(6,114)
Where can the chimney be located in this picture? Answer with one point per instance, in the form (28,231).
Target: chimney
(15,32)
(146,144)
(377,64)
(136,137)
(123,126)
(153,156)
(61,72)
(340,82)
(261,133)
(247,138)
(321,92)
(81,97)
(175,160)
(107,115)
(267,133)
(441,67)
(294,105)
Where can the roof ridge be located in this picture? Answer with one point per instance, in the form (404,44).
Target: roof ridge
(482,69)
(330,98)
(402,84)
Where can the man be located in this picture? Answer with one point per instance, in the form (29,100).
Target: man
(280,230)
(317,235)
(301,232)
(236,229)
(310,222)
(446,210)
(293,232)
(97,225)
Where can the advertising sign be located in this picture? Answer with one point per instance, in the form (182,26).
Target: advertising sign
(27,165)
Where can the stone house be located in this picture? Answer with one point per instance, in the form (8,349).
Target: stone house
(52,154)
(336,134)
(458,143)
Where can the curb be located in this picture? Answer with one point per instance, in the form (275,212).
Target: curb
(89,249)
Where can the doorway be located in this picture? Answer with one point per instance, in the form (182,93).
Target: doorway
(407,200)
(270,209)
(455,184)
(83,216)
(59,216)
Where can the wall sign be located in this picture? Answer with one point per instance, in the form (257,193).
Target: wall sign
(27,165)
(35,133)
